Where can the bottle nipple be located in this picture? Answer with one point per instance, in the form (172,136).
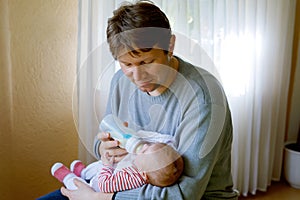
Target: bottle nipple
(134,144)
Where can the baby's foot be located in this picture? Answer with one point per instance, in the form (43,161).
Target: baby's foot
(64,175)
(59,171)
(76,167)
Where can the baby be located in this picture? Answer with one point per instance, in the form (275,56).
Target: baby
(155,163)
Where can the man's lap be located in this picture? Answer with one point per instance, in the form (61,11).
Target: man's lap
(56,195)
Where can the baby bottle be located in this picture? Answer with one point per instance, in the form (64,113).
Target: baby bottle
(126,136)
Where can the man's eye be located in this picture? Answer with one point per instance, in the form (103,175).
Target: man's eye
(146,62)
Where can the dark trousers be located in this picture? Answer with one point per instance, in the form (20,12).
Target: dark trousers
(56,195)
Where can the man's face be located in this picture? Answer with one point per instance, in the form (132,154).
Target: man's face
(149,71)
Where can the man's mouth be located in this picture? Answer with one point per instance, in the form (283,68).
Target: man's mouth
(144,83)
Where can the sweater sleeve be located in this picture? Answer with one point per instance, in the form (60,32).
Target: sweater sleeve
(96,148)
(203,132)
(205,166)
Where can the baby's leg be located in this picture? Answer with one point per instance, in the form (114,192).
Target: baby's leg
(94,183)
(64,175)
(91,170)
(69,181)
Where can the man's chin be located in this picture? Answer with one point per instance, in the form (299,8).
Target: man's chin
(147,88)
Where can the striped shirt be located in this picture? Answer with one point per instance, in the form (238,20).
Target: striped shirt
(114,181)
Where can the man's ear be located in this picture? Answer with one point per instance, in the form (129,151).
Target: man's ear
(171,45)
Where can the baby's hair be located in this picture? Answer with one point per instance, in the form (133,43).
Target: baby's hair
(168,175)
(172,167)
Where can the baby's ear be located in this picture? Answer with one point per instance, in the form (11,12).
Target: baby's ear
(145,176)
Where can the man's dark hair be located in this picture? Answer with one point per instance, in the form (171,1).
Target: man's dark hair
(138,26)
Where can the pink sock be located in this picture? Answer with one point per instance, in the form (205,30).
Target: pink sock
(60,171)
(76,167)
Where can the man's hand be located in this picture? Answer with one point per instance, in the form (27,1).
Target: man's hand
(84,192)
(109,149)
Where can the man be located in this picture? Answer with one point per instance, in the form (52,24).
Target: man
(157,91)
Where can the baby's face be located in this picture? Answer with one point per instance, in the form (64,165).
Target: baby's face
(148,156)
(148,148)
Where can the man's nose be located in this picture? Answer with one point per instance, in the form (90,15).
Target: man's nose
(138,73)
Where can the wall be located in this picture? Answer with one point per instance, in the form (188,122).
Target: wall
(5,105)
(38,41)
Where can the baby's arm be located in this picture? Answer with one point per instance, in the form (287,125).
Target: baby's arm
(91,170)
(125,179)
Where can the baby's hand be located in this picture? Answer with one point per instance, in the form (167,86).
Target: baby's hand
(109,160)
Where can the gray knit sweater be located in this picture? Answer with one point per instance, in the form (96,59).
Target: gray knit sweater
(194,110)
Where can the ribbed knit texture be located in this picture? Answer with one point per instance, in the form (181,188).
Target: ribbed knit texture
(195,111)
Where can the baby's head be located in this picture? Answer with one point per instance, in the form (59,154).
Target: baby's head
(161,164)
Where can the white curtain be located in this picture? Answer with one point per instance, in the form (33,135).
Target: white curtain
(247,44)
